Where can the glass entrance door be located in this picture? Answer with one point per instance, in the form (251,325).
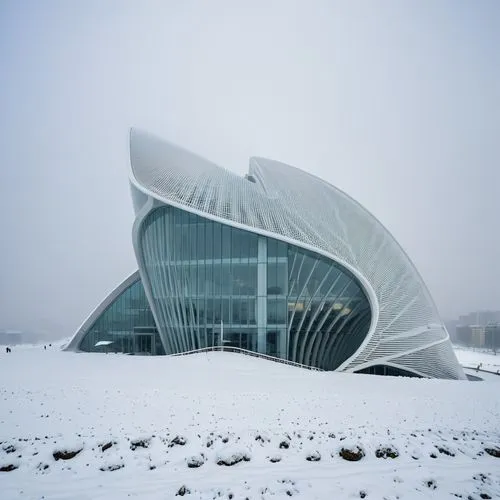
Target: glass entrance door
(144,343)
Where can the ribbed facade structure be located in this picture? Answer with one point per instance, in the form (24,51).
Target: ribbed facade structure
(278,262)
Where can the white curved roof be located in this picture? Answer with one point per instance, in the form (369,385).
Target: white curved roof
(292,205)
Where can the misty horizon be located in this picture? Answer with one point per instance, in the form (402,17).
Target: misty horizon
(397,104)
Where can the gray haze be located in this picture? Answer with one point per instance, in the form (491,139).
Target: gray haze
(395,102)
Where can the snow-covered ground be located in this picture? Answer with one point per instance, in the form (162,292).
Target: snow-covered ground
(154,427)
(474,357)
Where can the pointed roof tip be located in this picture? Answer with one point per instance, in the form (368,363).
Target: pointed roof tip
(133,131)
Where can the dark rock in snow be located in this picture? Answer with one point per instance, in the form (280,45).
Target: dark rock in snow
(431,484)
(261,439)
(178,440)
(352,455)
(183,490)
(195,461)
(445,451)
(66,454)
(233,459)
(139,443)
(315,456)
(494,452)
(386,453)
(8,468)
(112,468)
(106,446)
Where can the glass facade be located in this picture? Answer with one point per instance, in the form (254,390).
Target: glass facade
(387,370)
(127,326)
(213,284)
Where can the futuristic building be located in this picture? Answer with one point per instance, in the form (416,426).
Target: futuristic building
(279,262)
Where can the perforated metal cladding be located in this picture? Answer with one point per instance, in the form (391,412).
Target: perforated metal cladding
(435,361)
(303,209)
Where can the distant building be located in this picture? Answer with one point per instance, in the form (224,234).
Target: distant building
(477,332)
(464,334)
(492,336)
(482,318)
(472,329)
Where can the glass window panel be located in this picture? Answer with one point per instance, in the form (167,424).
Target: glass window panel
(236,237)
(271,311)
(272,283)
(226,242)
(339,286)
(201,312)
(193,280)
(217,241)
(252,245)
(304,274)
(282,248)
(209,239)
(272,247)
(329,281)
(226,279)
(252,311)
(217,310)
(282,277)
(200,228)
(281,311)
(177,237)
(201,279)
(185,243)
(243,238)
(236,306)
(209,284)
(318,275)
(217,279)
(209,311)
(244,314)
(272,339)
(193,231)
(251,288)
(295,261)
(225,311)
(185,278)
(244,283)
(235,279)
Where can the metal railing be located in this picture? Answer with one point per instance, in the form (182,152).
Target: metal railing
(254,354)
(476,369)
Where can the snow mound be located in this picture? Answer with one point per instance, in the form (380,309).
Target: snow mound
(222,425)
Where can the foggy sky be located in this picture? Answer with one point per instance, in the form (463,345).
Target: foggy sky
(395,102)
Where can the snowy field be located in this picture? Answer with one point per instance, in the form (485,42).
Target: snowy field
(222,426)
(472,358)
